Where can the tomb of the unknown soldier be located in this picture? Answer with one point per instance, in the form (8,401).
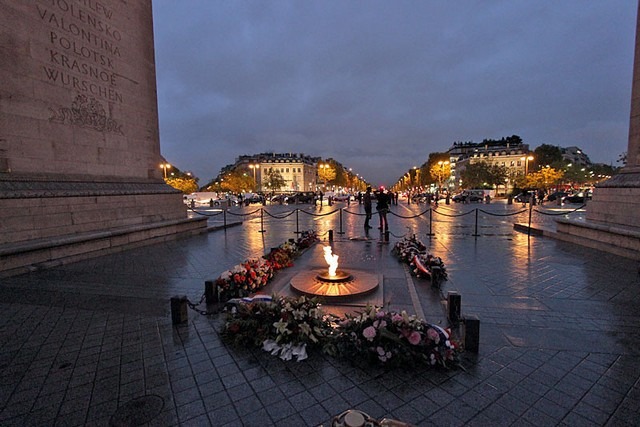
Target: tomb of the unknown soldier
(120,305)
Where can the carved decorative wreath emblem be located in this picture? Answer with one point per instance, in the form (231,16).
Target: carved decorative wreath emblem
(86,112)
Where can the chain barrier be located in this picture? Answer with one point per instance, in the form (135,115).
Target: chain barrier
(429,210)
(399,236)
(280,217)
(561,213)
(507,214)
(453,215)
(244,214)
(194,307)
(355,213)
(204,214)
(409,217)
(317,214)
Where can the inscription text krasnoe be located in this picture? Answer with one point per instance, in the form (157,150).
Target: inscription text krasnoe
(83,47)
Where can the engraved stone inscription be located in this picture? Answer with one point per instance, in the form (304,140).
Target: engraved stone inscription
(83,48)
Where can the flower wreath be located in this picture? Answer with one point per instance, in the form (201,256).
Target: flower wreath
(252,275)
(287,326)
(413,252)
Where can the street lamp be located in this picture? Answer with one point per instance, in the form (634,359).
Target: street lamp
(165,166)
(323,167)
(526,163)
(441,175)
(254,167)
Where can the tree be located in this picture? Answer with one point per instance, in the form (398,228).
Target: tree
(186,184)
(426,177)
(544,178)
(236,181)
(441,172)
(576,174)
(512,140)
(326,173)
(274,180)
(550,155)
(475,175)
(343,176)
(182,181)
(497,174)
(482,175)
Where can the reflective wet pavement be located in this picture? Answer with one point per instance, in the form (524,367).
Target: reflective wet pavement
(92,343)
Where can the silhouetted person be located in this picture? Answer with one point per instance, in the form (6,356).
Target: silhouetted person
(383,207)
(367,208)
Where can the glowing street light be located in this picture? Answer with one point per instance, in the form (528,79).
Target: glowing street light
(526,163)
(254,167)
(323,167)
(165,166)
(441,175)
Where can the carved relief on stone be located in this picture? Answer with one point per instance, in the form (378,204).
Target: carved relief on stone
(86,112)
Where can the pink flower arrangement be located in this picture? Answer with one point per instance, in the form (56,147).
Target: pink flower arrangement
(397,338)
(252,275)
(369,333)
(287,327)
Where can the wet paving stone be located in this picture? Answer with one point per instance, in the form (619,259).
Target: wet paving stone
(559,337)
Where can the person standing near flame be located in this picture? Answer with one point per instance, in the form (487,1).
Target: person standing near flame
(383,207)
(367,208)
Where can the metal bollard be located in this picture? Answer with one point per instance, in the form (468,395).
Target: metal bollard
(454,302)
(210,292)
(179,312)
(386,236)
(472,334)
(331,235)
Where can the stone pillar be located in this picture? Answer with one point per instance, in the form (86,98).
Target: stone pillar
(617,200)
(633,150)
(613,216)
(79,144)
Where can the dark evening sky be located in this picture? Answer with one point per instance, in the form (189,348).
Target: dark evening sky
(378,85)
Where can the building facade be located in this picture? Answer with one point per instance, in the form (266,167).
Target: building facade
(298,170)
(509,152)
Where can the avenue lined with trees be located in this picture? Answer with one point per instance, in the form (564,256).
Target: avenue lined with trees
(545,169)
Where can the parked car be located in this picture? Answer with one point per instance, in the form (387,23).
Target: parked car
(421,198)
(227,200)
(556,195)
(523,197)
(341,197)
(470,196)
(279,199)
(302,197)
(250,198)
(575,198)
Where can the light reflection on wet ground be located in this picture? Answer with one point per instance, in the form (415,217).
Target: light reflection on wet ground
(559,325)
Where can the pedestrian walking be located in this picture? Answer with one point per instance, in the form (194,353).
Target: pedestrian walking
(366,198)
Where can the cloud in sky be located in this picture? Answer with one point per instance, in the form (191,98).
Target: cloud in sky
(378,85)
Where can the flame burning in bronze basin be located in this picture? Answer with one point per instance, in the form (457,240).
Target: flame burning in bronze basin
(333,282)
